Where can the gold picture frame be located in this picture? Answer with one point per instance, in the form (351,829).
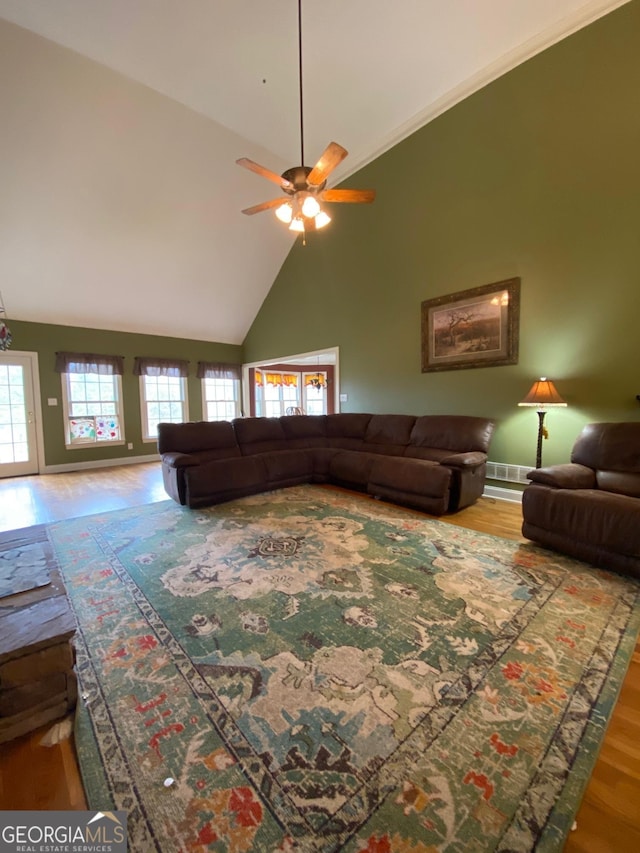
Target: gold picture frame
(472,328)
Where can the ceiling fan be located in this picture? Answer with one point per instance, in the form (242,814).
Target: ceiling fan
(306,187)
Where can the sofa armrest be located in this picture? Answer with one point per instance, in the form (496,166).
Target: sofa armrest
(571,475)
(471,459)
(175,459)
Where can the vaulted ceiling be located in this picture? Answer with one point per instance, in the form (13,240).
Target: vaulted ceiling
(219,80)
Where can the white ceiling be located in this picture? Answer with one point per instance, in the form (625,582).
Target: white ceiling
(374,71)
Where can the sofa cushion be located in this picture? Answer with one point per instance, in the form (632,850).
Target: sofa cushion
(347,429)
(258,435)
(305,430)
(322,457)
(452,432)
(286,467)
(351,467)
(217,437)
(388,433)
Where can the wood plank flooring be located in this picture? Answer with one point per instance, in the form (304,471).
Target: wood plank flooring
(25,501)
(609,817)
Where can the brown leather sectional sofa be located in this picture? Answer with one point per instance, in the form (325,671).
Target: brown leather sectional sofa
(436,463)
(590,507)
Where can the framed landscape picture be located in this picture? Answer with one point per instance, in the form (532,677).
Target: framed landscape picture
(472,328)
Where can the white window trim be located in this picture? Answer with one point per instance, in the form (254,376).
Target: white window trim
(83,445)
(143,408)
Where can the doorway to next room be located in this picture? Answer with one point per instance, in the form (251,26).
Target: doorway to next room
(306,383)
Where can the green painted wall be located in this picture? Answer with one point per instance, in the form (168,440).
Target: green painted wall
(47,339)
(537,176)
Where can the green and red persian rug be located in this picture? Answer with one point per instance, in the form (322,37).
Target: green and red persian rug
(307,670)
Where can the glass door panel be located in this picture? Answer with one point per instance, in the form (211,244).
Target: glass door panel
(18,446)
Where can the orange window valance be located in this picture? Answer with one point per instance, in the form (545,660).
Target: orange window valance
(288,379)
(317,380)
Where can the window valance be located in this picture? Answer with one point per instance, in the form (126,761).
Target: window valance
(287,379)
(150,366)
(218,370)
(316,380)
(89,362)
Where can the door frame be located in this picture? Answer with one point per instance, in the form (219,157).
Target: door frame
(7,355)
(308,360)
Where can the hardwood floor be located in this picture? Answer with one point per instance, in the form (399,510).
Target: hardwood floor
(25,501)
(609,817)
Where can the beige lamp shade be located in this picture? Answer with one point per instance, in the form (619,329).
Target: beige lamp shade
(542,393)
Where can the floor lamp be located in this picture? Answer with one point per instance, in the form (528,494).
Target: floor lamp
(542,394)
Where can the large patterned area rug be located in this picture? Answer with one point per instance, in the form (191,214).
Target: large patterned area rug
(310,670)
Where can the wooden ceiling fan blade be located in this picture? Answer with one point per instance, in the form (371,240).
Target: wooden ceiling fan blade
(353,196)
(331,157)
(265,205)
(264,172)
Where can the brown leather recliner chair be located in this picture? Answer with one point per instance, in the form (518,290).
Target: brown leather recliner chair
(589,508)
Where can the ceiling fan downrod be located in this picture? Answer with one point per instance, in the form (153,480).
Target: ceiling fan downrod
(300,81)
(305,186)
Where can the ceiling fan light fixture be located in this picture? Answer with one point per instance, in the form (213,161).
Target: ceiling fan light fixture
(285,212)
(322,219)
(297,225)
(310,207)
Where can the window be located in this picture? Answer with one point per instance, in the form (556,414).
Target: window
(276,392)
(92,398)
(220,390)
(163,401)
(163,393)
(315,392)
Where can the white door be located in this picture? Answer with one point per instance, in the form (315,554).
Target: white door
(18,437)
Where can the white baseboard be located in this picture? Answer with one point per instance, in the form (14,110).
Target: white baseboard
(512,495)
(99,463)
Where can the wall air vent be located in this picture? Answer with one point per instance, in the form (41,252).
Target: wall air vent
(508,473)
